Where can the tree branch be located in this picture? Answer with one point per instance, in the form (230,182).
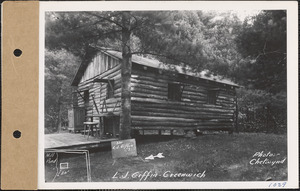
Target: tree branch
(265,53)
(265,47)
(104,34)
(104,18)
(136,22)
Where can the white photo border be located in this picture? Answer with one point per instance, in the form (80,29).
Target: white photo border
(292,86)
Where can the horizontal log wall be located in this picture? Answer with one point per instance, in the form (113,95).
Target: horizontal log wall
(99,91)
(151,108)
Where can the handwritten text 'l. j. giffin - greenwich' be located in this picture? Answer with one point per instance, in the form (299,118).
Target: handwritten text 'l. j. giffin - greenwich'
(145,175)
(266,158)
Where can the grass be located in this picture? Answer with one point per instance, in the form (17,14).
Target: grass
(223,157)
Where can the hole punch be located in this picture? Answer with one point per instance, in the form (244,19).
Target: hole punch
(17,52)
(17,134)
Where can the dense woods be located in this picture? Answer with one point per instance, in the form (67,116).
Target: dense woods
(60,66)
(251,52)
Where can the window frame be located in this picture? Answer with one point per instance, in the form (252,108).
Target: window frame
(110,92)
(212,96)
(86,97)
(172,94)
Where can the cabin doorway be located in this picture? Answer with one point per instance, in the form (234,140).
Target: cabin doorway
(111,126)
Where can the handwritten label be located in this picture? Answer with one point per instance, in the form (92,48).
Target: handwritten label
(62,172)
(149,174)
(64,165)
(123,148)
(277,184)
(267,158)
(51,158)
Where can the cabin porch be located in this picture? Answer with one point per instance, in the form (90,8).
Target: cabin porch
(74,141)
(86,131)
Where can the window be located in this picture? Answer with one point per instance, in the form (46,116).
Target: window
(174,92)
(212,96)
(110,89)
(86,97)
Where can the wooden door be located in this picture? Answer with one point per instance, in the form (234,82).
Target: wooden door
(71,119)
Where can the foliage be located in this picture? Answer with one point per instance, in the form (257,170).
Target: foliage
(260,110)
(193,38)
(252,53)
(220,32)
(262,41)
(177,37)
(76,31)
(60,66)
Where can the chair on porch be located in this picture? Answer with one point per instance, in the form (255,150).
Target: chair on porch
(90,126)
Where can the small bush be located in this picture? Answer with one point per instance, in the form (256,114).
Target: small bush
(260,111)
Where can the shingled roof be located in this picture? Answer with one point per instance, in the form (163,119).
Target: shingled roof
(159,65)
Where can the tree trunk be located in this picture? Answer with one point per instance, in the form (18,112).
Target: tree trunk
(60,109)
(236,114)
(125,116)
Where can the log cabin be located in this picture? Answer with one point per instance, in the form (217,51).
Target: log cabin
(163,97)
